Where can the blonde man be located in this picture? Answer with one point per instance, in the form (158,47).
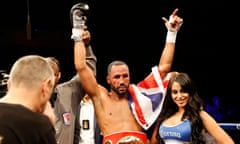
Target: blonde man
(30,85)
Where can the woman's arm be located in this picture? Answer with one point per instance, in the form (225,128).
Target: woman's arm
(214,129)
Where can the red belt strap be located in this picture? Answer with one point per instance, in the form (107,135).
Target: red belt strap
(126,138)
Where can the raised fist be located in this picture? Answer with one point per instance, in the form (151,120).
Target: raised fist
(78,14)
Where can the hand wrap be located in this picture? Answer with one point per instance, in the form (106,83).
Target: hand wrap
(172,31)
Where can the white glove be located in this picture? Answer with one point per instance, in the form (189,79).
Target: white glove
(78,24)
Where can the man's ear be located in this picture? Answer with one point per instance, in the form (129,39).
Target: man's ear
(59,75)
(47,88)
(108,79)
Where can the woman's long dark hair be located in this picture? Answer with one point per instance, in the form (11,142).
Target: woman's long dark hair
(192,109)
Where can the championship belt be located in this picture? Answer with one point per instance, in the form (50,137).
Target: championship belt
(130,137)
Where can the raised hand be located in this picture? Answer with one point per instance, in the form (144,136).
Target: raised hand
(174,23)
(78,17)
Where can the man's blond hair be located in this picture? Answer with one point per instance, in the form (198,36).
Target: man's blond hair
(30,71)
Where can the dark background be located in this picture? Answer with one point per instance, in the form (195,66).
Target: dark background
(207,44)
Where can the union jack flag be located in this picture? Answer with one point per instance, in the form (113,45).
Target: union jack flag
(146,98)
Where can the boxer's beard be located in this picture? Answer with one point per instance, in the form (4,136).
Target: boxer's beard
(120,92)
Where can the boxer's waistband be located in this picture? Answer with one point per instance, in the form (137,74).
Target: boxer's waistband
(126,137)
